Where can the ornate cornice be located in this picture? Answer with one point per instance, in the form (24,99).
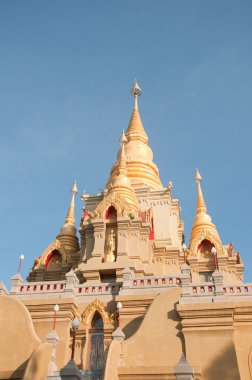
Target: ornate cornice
(97,305)
(122,207)
(205,234)
(56,244)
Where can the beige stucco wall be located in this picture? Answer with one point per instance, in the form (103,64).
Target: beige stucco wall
(209,336)
(156,343)
(37,367)
(42,315)
(18,340)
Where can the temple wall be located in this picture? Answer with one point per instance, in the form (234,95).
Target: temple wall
(18,340)
(243,339)
(210,341)
(161,212)
(156,342)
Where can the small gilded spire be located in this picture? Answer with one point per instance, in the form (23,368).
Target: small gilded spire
(122,167)
(201,206)
(203,228)
(135,129)
(70,219)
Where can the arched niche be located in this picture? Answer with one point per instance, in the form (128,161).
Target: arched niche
(111,213)
(42,261)
(53,260)
(95,321)
(205,247)
(95,344)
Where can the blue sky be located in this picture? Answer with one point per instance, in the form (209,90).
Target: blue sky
(66,70)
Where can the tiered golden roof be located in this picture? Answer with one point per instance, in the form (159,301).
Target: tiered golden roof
(139,156)
(121,184)
(203,228)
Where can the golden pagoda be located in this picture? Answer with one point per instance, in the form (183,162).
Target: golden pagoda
(139,156)
(123,298)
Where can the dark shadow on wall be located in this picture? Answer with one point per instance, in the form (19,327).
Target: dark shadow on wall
(19,372)
(132,327)
(224,367)
(174,316)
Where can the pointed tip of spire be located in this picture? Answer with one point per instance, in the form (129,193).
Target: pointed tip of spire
(201,206)
(70,219)
(197,177)
(123,138)
(74,189)
(136,90)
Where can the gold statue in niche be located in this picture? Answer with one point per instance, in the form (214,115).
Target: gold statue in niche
(110,254)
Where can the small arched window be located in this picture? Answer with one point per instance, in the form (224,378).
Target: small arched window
(97,321)
(205,247)
(111,213)
(54,260)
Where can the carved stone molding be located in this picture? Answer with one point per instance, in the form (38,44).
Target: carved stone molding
(122,207)
(200,236)
(97,305)
(56,244)
(164,260)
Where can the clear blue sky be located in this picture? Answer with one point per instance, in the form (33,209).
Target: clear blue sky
(66,70)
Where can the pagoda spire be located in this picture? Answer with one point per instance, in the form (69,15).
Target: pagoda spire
(70,218)
(136,129)
(201,206)
(141,169)
(122,166)
(136,92)
(203,226)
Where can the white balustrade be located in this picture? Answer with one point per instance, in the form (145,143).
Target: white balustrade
(154,282)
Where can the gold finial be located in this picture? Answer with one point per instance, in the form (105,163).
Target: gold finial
(201,206)
(197,176)
(136,92)
(70,219)
(74,190)
(123,138)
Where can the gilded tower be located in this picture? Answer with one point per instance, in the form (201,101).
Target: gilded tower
(132,301)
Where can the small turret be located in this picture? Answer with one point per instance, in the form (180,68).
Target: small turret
(203,228)
(62,253)
(67,235)
(70,218)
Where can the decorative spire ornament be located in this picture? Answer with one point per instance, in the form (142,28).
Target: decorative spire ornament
(201,206)
(136,129)
(70,219)
(122,166)
(139,157)
(136,92)
(203,228)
